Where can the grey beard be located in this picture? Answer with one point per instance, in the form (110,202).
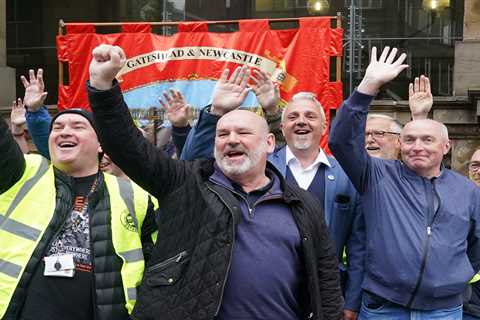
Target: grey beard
(251,160)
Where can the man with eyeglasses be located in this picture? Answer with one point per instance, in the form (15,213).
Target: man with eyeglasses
(474,167)
(381,136)
(382,132)
(422,220)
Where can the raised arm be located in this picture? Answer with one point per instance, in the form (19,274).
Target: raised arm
(228,95)
(38,118)
(268,96)
(347,135)
(178,112)
(120,139)
(420,98)
(17,122)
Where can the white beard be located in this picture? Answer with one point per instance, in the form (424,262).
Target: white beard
(251,160)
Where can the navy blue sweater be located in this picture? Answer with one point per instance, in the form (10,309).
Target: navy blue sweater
(266,236)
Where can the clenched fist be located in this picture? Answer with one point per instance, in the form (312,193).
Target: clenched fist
(106,62)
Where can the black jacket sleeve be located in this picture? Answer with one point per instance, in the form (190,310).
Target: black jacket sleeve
(328,275)
(12,162)
(147,166)
(318,242)
(179,137)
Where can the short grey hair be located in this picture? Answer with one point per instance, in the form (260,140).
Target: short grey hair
(305,95)
(395,125)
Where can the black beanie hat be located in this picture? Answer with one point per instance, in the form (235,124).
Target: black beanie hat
(87,115)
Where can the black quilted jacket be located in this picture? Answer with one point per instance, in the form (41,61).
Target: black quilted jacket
(189,266)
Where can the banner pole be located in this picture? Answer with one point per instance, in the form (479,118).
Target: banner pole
(339,60)
(61,26)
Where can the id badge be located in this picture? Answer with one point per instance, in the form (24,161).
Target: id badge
(59,266)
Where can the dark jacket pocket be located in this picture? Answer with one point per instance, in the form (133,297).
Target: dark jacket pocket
(167,272)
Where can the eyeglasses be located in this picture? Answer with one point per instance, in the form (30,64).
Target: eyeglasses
(474,166)
(379,134)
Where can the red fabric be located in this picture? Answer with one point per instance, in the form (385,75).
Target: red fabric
(136,28)
(253,25)
(303,54)
(192,27)
(80,28)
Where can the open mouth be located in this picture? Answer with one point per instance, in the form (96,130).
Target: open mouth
(301,131)
(234,154)
(67,144)
(373,148)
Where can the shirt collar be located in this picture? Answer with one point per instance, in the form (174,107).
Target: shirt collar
(321,158)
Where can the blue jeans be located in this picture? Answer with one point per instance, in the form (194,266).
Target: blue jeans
(376,308)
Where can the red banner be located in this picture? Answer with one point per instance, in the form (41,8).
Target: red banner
(192,60)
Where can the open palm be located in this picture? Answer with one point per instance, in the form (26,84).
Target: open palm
(35,94)
(230,93)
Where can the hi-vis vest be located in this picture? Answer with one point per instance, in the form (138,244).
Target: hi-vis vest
(27,208)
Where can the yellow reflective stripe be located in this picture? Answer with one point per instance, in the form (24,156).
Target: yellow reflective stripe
(10,269)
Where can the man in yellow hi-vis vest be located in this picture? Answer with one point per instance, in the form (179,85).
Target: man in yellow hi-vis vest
(70,235)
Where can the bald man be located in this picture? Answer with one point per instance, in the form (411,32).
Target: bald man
(422,220)
(235,241)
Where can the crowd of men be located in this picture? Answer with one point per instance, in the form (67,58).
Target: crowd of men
(254,221)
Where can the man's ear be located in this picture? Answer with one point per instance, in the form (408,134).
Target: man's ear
(325,129)
(270,143)
(446,147)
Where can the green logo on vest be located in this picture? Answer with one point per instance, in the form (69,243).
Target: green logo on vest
(127,221)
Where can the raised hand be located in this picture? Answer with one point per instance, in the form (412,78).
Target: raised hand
(381,70)
(265,90)
(35,94)
(106,62)
(17,116)
(420,98)
(230,93)
(177,110)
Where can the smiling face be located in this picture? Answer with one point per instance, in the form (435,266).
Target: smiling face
(242,143)
(303,124)
(73,145)
(474,168)
(386,146)
(423,145)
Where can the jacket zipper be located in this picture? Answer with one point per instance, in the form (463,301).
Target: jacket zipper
(177,258)
(231,250)
(427,242)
